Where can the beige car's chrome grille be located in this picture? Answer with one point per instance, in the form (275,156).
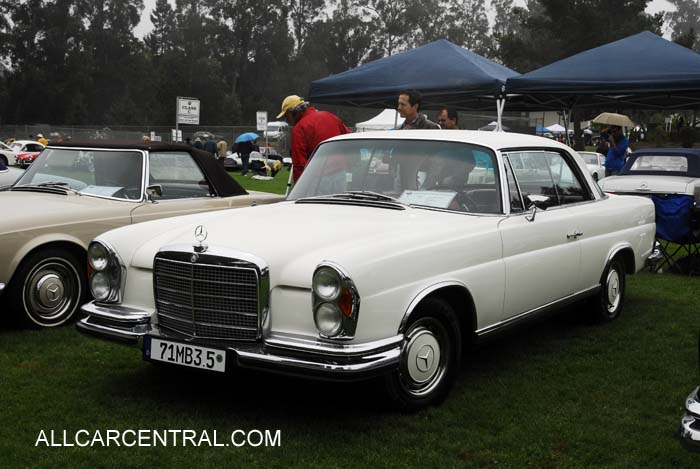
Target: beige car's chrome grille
(206,296)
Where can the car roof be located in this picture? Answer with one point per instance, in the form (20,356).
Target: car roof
(22,142)
(496,140)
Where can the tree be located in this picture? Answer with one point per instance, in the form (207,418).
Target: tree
(468,26)
(162,39)
(684,23)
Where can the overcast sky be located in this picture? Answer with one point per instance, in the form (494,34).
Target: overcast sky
(145,25)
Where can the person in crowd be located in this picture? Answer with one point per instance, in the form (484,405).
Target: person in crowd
(210,146)
(311,127)
(409,109)
(188,141)
(448,119)
(221,148)
(615,159)
(198,143)
(244,151)
(40,138)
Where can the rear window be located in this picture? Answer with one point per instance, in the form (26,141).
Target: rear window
(660,163)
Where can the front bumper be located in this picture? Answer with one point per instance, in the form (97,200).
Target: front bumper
(690,423)
(286,354)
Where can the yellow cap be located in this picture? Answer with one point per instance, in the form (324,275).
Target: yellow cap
(290,102)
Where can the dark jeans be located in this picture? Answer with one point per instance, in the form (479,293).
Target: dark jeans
(244,160)
(611,172)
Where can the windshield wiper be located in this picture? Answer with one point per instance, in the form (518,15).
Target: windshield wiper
(358,197)
(50,184)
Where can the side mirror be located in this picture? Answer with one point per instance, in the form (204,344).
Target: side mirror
(153,191)
(534,203)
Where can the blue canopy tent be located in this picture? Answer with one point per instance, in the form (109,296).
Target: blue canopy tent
(444,73)
(643,71)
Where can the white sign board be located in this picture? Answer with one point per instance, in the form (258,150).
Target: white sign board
(187,111)
(176,135)
(261,120)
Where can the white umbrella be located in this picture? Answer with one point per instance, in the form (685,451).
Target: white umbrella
(610,118)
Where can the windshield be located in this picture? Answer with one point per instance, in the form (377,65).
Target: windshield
(115,174)
(436,174)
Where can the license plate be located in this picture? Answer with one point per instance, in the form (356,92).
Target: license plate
(186,354)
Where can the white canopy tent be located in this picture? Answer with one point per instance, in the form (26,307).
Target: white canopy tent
(385,120)
(556,129)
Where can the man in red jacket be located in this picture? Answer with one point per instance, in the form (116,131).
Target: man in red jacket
(311,127)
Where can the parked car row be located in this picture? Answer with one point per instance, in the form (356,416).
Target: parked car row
(402,249)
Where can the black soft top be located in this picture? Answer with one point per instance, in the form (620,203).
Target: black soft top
(223,184)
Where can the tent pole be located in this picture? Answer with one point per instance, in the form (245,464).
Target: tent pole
(500,105)
(567,119)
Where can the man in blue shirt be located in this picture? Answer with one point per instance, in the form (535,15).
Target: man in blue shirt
(615,159)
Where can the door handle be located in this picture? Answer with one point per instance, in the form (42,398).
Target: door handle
(574,235)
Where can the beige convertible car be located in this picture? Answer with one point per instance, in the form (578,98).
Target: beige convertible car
(74,192)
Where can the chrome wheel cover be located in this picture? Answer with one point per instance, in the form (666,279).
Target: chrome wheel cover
(613,290)
(424,357)
(51,291)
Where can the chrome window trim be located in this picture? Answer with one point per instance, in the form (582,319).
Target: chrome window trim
(144,158)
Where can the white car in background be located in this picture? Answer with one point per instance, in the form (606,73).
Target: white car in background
(7,155)
(276,129)
(24,152)
(595,162)
(401,248)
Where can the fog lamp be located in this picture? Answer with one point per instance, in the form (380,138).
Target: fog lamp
(328,319)
(99,286)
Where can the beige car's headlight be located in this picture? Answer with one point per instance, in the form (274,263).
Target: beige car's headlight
(107,273)
(335,301)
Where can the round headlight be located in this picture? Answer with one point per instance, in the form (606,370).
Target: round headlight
(98,256)
(99,286)
(328,319)
(326,284)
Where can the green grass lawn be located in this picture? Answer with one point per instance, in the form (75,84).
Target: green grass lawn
(278,185)
(559,393)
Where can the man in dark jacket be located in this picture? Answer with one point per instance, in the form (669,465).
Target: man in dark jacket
(210,146)
(311,127)
(409,107)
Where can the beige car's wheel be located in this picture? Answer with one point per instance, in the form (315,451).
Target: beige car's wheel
(48,287)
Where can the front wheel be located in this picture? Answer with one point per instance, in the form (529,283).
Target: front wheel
(430,357)
(48,287)
(607,305)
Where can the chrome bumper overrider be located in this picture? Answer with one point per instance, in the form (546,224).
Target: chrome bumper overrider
(286,354)
(690,423)
(2,287)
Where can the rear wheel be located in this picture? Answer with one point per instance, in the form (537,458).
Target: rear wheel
(430,357)
(48,287)
(607,305)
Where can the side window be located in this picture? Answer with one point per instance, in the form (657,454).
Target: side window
(516,201)
(178,175)
(547,178)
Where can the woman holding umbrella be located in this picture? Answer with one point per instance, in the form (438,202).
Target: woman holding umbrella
(615,159)
(245,147)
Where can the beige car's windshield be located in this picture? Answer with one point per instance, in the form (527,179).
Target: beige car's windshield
(103,173)
(435,174)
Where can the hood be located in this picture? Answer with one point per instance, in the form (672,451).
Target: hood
(294,238)
(646,184)
(28,210)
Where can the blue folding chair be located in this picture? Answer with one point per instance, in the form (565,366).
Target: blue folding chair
(677,224)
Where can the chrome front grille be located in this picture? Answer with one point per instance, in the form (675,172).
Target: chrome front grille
(208,296)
